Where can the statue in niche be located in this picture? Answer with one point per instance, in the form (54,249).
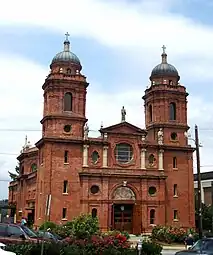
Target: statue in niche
(160,136)
(86,131)
(123,193)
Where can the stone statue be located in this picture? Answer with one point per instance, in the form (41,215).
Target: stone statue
(123,114)
(86,131)
(105,136)
(160,136)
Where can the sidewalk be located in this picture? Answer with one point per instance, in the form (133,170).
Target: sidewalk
(134,240)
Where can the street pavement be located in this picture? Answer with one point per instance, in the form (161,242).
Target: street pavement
(169,252)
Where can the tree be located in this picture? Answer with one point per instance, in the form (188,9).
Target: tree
(15,175)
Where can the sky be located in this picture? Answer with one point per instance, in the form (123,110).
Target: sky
(119,43)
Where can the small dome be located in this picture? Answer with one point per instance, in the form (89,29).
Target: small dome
(66,55)
(164,69)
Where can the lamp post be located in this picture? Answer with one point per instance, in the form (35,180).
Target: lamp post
(139,246)
(197,147)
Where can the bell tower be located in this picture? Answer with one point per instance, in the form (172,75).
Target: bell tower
(165,103)
(65,91)
(61,145)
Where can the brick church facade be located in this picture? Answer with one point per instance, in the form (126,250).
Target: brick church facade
(130,178)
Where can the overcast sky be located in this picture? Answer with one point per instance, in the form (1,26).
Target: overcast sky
(118,43)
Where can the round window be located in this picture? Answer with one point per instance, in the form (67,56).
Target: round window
(94,189)
(123,153)
(152,191)
(67,128)
(174,136)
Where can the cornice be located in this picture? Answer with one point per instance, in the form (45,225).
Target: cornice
(168,125)
(65,117)
(58,140)
(121,175)
(164,92)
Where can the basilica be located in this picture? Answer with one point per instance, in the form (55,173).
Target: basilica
(130,178)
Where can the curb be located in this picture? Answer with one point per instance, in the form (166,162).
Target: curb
(174,248)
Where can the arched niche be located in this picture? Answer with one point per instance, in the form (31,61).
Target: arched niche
(123,193)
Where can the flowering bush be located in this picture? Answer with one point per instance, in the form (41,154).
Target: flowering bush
(170,234)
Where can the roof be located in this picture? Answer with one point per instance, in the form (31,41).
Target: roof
(204,176)
(123,127)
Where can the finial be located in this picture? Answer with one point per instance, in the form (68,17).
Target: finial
(102,125)
(67,36)
(123,114)
(164,49)
(164,55)
(67,42)
(25,140)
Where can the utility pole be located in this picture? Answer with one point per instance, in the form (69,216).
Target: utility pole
(200,221)
(212,203)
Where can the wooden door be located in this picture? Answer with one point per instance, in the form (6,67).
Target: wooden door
(123,217)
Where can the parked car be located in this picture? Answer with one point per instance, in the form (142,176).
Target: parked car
(3,252)
(48,235)
(202,246)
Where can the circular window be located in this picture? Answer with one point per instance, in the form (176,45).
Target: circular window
(174,136)
(67,128)
(123,153)
(152,191)
(94,189)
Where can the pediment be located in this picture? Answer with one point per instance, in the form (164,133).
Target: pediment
(123,128)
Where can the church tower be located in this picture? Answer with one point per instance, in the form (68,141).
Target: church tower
(60,149)
(165,103)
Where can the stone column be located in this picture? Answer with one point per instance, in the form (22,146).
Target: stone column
(143,158)
(105,156)
(85,155)
(160,160)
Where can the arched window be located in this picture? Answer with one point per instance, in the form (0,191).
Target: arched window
(68,102)
(94,212)
(172,111)
(150,113)
(174,163)
(69,71)
(152,216)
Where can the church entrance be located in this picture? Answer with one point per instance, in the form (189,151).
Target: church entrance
(123,217)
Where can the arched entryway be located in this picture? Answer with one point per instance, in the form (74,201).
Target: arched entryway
(123,209)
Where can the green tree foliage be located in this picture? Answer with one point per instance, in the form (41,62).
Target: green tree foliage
(15,175)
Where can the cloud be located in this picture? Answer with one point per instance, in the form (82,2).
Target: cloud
(134,29)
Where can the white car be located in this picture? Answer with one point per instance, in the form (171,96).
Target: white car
(3,252)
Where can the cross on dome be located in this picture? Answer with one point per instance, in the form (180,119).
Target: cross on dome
(164,49)
(67,42)
(67,36)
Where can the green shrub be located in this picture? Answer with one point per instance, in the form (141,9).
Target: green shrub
(64,230)
(48,224)
(170,234)
(84,226)
(151,248)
